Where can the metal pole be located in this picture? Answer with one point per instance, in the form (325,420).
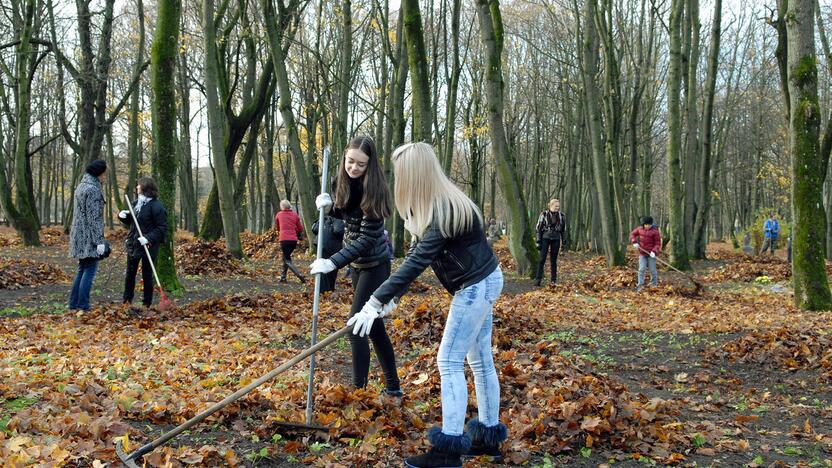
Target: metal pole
(316,304)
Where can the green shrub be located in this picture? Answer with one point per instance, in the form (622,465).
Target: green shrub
(756,229)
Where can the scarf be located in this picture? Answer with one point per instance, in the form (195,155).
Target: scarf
(141,202)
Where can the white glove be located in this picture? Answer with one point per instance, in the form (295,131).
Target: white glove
(652,254)
(363,321)
(636,246)
(323,201)
(387,308)
(321,265)
(100,249)
(143,240)
(123,214)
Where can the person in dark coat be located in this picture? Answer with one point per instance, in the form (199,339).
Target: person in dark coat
(333,240)
(448,228)
(86,236)
(153,221)
(551,237)
(363,202)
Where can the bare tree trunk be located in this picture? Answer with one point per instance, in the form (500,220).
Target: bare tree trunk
(23,214)
(230,224)
(521,238)
(163,54)
(453,85)
(276,23)
(133,129)
(691,148)
(675,190)
(811,285)
(600,166)
(704,204)
(417,57)
(188,196)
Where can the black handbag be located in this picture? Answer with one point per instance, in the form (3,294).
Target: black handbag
(107,251)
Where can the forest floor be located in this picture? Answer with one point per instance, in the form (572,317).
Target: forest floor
(592,372)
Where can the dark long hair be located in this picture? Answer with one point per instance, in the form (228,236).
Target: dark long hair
(149,188)
(375,202)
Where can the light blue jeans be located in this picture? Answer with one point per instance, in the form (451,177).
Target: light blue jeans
(468,334)
(645,262)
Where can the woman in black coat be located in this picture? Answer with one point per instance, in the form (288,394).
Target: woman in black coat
(153,221)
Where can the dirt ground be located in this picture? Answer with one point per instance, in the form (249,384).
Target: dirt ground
(747,375)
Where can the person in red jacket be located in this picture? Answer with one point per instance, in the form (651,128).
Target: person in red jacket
(288,223)
(647,241)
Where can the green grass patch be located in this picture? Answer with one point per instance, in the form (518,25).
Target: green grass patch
(11,407)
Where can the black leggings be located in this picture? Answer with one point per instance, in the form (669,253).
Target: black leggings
(365,281)
(147,276)
(553,246)
(287,247)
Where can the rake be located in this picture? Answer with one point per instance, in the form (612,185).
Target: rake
(698,287)
(130,459)
(164,302)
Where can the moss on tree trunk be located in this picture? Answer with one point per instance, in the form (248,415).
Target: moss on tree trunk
(811,285)
(163,83)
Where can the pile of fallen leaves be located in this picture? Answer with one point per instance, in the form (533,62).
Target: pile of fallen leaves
(263,246)
(748,269)
(611,278)
(17,273)
(53,236)
(266,246)
(199,257)
(789,348)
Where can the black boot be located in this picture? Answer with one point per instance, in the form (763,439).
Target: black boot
(486,440)
(445,453)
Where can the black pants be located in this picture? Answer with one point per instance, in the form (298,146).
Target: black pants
(553,247)
(365,281)
(287,247)
(147,276)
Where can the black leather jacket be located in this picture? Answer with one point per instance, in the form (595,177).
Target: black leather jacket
(457,261)
(364,244)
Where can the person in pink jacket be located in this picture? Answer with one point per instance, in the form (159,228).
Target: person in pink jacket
(287,222)
(647,241)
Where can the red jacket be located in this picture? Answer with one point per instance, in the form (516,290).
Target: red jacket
(650,240)
(289,225)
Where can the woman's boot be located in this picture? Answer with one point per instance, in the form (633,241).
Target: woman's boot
(446,452)
(486,440)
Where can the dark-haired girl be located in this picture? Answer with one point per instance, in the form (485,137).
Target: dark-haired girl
(153,221)
(363,201)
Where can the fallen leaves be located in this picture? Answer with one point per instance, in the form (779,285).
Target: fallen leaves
(199,257)
(17,273)
(789,348)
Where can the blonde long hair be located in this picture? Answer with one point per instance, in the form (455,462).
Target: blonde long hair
(423,193)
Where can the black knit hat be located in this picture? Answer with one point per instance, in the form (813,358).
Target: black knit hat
(97,167)
(647,220)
